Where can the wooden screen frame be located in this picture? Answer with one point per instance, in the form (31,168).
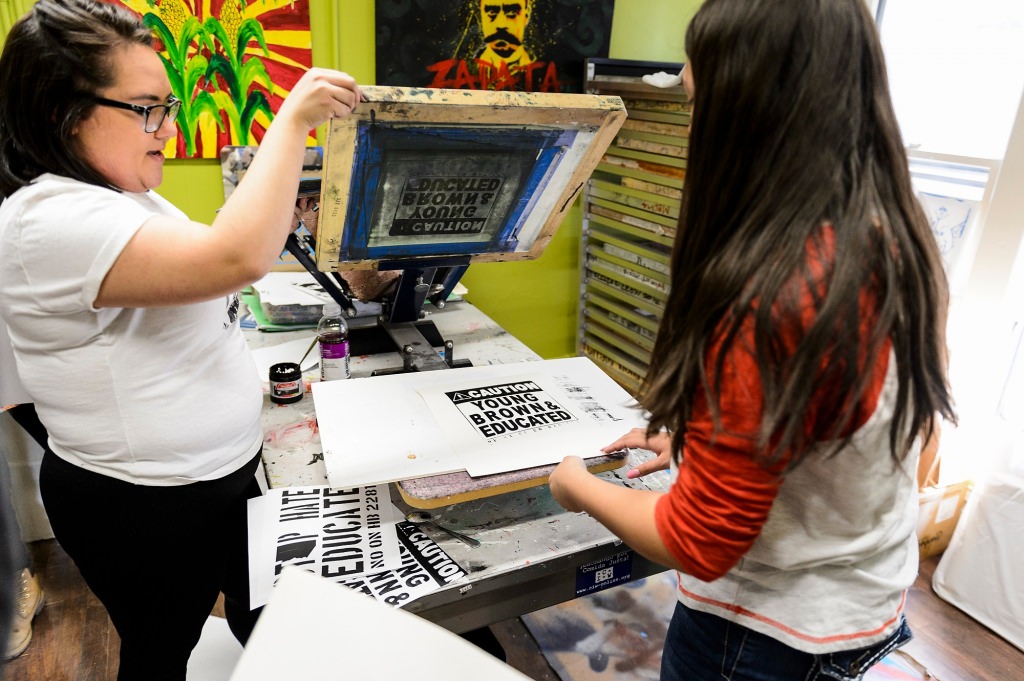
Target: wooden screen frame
(598,116)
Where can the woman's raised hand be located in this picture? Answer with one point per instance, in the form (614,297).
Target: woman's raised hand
(320,95)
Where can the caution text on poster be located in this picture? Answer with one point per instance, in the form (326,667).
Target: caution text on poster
(504,410)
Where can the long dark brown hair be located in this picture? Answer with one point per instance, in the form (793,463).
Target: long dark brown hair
(793,129)
(56,58)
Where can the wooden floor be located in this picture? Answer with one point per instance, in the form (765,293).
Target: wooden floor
(73,639)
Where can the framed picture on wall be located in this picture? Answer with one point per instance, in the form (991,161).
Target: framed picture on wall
(524,45)
(230,62)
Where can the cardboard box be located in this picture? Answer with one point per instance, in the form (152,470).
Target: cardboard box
(940,509)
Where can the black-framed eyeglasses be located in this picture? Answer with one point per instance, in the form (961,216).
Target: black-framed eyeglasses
(152,116)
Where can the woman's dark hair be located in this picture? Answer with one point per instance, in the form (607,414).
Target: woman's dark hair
(793,136)
(56,58)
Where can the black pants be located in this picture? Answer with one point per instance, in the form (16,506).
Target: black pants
(156,557)
(11,548)
(25,415)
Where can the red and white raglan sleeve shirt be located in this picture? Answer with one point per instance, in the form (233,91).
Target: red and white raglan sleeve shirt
(721,497)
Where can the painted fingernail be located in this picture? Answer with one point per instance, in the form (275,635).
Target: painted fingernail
(633,474)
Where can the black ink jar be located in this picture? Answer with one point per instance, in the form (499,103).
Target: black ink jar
(285,383)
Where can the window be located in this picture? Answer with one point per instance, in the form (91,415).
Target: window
(948,69)
(956,71)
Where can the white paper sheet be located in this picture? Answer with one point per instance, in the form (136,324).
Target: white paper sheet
(312,629)
(376,430)
(382,429)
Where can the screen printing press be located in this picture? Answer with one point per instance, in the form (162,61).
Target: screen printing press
(427,182)
(532,553)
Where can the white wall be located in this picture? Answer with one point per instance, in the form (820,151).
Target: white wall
(984,324)
(23,457)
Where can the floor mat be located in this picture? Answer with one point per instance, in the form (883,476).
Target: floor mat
(611,635)
(617,635)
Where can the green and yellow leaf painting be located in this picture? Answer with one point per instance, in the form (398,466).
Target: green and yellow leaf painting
(231,63)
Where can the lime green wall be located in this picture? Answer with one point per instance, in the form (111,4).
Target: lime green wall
(652,30)
(536,300)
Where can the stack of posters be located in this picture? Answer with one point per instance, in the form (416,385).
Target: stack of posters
(354,537)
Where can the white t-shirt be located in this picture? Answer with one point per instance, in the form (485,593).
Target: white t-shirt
(158,396)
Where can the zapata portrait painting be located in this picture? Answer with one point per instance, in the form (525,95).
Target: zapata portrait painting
(524,45)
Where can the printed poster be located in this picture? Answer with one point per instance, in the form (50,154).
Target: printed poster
(533,419)
(523,45)
(423,569)
(483,420)
(348,536)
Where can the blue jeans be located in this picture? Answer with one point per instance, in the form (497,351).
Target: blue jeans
(704,647)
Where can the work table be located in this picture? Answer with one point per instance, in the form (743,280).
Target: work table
(533,553)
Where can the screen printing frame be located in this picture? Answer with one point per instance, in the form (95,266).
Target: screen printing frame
(481,176)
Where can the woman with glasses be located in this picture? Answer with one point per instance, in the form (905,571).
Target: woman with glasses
(799,360)
(123,318)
